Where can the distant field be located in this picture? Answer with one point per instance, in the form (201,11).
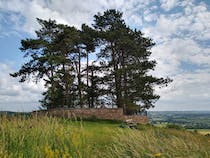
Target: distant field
(32,137)
(187,119)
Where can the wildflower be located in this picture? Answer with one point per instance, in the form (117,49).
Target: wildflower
(157,155)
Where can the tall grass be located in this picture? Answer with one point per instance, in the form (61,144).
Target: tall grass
(46,137)
(159,142)
(40,137)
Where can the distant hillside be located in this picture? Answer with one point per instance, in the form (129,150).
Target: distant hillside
(188,119)
(14,113)
(7,112)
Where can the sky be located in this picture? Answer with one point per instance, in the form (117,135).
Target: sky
(180,29)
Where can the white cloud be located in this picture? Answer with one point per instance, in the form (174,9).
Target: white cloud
(190,22)
(68,11)
(29,10)
(188,91)
(179,35)
(78,12)
(168,4)
(20,94)
(150,15)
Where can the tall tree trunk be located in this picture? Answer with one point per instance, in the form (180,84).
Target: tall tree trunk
(87,65)
(79,79)
(116,77)
(65,86)
(52,82)
(92,90)
(125,94)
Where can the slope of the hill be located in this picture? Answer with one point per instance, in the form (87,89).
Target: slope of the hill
(51,138)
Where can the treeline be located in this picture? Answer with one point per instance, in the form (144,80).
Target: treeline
(106,64)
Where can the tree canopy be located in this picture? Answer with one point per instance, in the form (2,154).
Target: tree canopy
(106,65)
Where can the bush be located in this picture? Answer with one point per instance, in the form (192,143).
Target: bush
(174,126)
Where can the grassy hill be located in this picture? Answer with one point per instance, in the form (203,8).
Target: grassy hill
(51,138)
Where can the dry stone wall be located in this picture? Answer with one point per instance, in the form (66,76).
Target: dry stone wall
(101,113)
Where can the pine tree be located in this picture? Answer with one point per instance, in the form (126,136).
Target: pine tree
(125,54)
(119,76)
(88,36)
(41,56)
(110,25)
(49,59)
(64,45)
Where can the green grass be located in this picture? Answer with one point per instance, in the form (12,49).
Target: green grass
(44,137)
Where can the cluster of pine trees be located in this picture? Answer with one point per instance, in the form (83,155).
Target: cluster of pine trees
(99,66)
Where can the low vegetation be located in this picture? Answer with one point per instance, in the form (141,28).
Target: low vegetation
(33,137)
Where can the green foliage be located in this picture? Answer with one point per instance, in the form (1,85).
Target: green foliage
(195,130)
(174,126)
(126,53)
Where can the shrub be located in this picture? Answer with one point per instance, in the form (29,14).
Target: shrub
(174,126)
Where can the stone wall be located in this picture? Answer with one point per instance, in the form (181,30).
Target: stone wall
(101,113)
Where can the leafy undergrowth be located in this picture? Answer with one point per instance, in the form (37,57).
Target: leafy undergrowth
(44,137)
